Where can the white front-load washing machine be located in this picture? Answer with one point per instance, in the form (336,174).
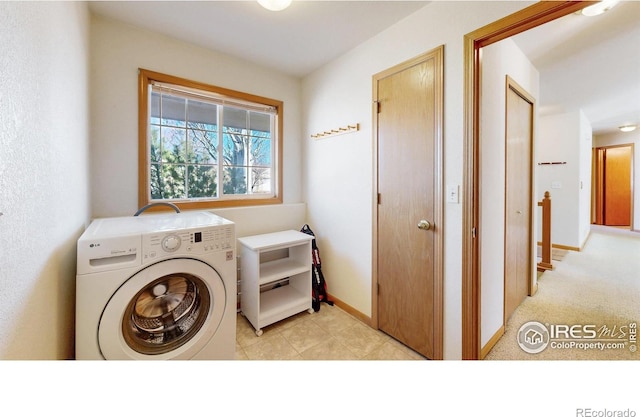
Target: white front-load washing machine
(157,286)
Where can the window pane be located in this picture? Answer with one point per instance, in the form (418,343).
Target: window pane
(154,142)
(260,181)
(235,120)
(174,180)
(234,149)
(260,122)
(174,144)
(235,180)
(156,182)
(202,147)
(260,152)
(167,181)
(202,181)
(202,115)
(261,134)
(173,111)
(155,108)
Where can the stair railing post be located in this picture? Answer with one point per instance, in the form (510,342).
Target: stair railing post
(546,264)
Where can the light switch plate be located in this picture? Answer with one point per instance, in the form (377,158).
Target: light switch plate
(452,194)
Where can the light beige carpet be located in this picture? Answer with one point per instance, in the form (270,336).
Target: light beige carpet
(598,287)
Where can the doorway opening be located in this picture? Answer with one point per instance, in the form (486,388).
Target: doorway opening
(528,18)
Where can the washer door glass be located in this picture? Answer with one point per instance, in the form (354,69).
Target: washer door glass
(169,310)
(165,314)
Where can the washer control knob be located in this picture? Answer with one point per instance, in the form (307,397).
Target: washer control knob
(171,243)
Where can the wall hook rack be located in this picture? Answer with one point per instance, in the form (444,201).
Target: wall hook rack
(336,132)
(551,163)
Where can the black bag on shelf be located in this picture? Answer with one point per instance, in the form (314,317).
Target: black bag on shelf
(318,284)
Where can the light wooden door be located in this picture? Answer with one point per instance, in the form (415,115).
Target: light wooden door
(617,186)
(409,278)
(612,185)
(518,199)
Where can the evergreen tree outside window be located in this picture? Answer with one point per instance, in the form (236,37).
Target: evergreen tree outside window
(205,146)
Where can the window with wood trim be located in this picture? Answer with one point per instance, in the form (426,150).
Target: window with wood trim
(202,146)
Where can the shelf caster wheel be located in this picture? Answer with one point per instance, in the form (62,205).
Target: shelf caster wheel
(310,311)
(258,333)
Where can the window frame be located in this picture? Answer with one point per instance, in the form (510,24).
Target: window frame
(145,78)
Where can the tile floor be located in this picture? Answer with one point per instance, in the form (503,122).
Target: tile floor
(329,334)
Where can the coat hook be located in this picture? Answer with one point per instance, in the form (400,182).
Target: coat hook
(337,131)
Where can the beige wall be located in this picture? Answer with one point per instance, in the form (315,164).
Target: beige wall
(339,171)
(44,170)
(566,137)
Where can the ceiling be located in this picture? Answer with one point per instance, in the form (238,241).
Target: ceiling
(591,64)
(296,41)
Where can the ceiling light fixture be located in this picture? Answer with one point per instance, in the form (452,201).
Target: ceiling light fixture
(627,128)
(275,5)
(599,8)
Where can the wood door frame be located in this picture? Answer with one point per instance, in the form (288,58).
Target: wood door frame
(525,19)
(597,197)
(597,188)
(438,325)
(511,84)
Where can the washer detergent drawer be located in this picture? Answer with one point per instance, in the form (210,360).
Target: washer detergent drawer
(97,255)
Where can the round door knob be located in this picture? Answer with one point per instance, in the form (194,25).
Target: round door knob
(424,225)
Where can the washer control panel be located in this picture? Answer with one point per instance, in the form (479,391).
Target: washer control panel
(189,241)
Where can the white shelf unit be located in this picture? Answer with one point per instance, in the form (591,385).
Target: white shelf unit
(275,276)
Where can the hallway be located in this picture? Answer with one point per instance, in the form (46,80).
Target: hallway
(597,288)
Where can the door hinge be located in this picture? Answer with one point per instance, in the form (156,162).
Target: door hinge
(378,289)
(379,198)
(474,232)
(377,103)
